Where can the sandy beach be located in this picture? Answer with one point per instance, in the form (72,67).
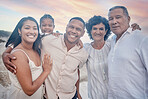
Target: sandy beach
(4,78)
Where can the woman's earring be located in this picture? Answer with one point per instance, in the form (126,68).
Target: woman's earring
(20,34)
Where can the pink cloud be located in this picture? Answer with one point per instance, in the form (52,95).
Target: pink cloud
(63,10)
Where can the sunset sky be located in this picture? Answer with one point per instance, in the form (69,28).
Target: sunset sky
(11,11)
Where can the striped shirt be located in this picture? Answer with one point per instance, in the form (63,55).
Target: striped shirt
(97,71)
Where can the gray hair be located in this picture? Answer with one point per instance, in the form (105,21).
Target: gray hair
(122,7)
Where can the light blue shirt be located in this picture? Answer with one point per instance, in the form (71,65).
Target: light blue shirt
(128,65)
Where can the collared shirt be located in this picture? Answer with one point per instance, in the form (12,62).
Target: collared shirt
(128,65)
(64,74)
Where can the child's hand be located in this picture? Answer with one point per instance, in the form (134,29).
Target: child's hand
(47,63)
(56,34)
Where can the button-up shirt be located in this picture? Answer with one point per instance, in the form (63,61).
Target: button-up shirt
(64,74)
(128,65)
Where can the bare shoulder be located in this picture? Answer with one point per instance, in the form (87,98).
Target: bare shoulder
(18,52)
(20,56)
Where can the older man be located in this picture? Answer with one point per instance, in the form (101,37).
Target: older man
(128,58)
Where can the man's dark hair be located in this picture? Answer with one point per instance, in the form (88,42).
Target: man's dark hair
(78,18)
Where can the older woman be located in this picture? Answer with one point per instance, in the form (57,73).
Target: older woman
(98,30)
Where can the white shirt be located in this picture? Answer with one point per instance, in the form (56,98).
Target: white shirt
(97,70)
(64,74)
(127,66)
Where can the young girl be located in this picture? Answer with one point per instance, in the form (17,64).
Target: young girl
(30,75)
(47,24)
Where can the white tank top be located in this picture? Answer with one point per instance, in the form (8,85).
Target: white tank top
(16,92)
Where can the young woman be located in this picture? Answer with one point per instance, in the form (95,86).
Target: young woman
(31,73)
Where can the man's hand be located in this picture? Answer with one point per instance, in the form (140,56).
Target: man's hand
(7,57)
(135,26)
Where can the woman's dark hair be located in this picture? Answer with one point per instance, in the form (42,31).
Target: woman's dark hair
(97,20)
(45,16)
(15,39)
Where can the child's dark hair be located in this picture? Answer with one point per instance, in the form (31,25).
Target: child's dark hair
(15,38)
(46,16)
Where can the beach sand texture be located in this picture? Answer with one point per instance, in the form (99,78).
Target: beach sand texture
(4,78)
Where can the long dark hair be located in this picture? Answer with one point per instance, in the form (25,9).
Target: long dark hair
(15,39)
